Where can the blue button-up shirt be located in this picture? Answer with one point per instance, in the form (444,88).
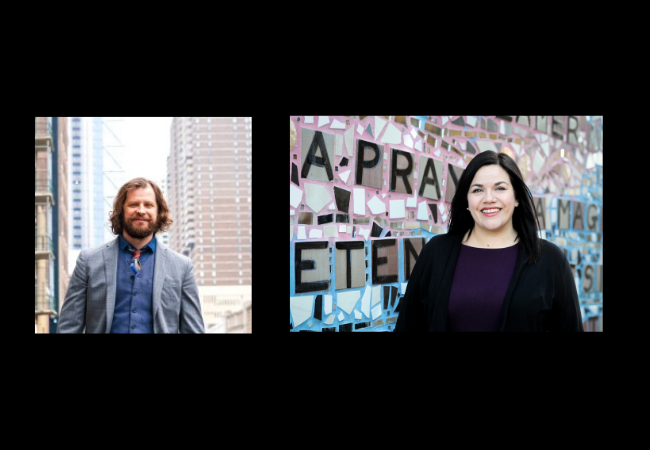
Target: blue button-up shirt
(133,311)
(145,253)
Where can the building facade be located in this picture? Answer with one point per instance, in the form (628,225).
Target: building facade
(209,194)
(51,220)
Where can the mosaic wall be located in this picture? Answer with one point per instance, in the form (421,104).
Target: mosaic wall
(368,192)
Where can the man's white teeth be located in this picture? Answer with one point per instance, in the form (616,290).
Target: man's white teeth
(490,211)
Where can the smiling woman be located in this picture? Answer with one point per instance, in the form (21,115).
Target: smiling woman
(491,272)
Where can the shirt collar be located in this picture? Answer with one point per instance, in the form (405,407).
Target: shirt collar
(124,244)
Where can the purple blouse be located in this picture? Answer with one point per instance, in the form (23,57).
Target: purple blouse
(481,279)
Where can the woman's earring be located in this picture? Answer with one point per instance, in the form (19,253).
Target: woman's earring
(468,209)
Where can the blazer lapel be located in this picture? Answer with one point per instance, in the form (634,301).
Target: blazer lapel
(441,311)
(158,278)
(523,254)
(110,272)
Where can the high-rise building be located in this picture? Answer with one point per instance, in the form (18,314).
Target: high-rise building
(86,183)
(95,176)
(209,169)
(209,195)
(51,220)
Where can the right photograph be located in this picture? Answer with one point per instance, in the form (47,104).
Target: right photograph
(446,223)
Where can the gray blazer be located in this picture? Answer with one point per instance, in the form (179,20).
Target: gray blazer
(90,301)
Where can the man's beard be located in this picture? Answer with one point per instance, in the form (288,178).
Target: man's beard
(138,232)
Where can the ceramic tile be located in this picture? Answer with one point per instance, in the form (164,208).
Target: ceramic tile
(296,196)
(315,233)
(376,312)
(572,130)
(433,129)
(459,121)
(411,202)
(349,141)
(312,270)
(396,209)
(486,145)
(330,319)
(453,175)
(306,218)
(592,217)
(386,290)
(365,302)
(317,196)
(361,325)
(301,308)
(392,135)
(347,301)
(564,213)
(384,261)
(337,125)
(323,120)
(330,231)
(401,120)
(376,295)
(578,215)
(558,126)
(342,198)
(327,218)
(318,308)
(368,172)
(393,295)
(369,130)
(359,201)
(541,212)
(412,249)
(379,126)
(317,155)
(538,162)
(430,173)
(342,218)
(376,206)
(422,211)
(376,230)
(301,233)
(401,177)
(524,120)
(349,264)
(434,211)
(341,317)
(328,304)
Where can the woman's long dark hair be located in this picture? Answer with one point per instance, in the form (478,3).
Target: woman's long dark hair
(524,219)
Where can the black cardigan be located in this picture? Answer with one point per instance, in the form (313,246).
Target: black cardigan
(540,297)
